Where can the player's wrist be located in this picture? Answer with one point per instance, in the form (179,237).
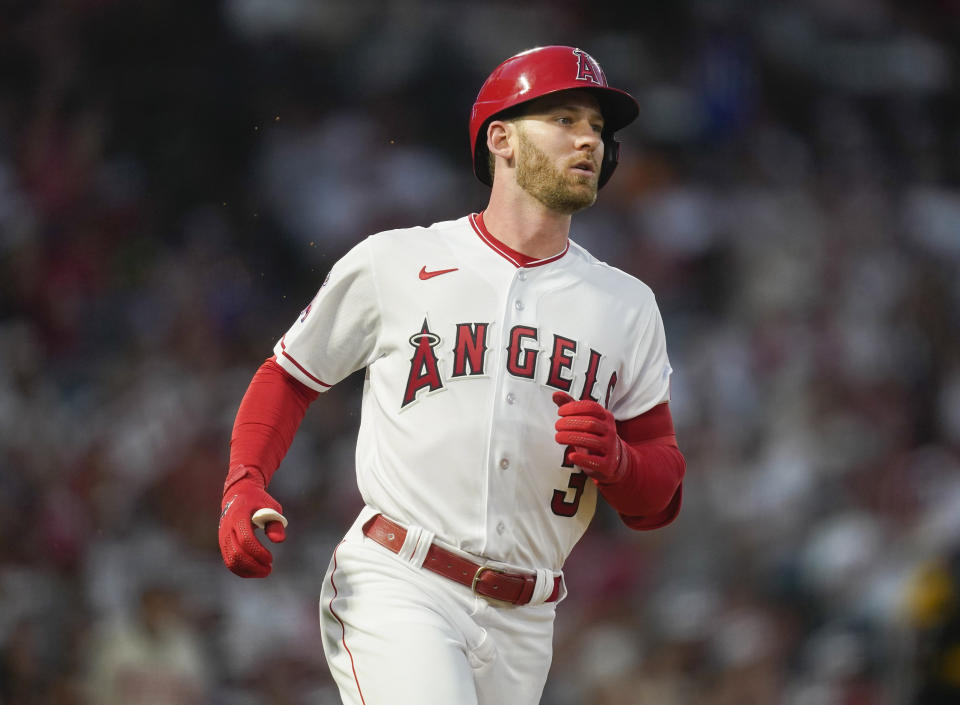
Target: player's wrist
(616,469)
(620,464)
(240,475)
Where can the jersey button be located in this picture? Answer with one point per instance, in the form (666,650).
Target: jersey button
(501,527)
(522,275)
(511,398)
(504,463)
(518,304)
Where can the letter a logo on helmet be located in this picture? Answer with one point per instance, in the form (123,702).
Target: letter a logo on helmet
(538,72)
(587,69)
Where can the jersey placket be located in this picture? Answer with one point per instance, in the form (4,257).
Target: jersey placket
(506,456)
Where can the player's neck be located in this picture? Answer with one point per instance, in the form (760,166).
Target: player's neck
(526,225)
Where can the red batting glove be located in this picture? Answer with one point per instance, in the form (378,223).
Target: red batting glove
(592,431)
(242,551)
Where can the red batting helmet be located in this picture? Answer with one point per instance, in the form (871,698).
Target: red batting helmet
(537,72)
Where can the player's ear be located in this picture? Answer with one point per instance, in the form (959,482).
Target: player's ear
(499,142)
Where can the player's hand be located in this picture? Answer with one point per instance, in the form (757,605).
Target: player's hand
(242,506)
(592,432)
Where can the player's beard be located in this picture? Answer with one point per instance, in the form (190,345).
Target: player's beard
(560,191)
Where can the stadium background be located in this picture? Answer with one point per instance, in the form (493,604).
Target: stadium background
(176,178)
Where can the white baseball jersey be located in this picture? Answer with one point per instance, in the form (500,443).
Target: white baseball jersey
(463,349)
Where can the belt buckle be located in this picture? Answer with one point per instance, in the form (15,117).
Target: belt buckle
(476,580)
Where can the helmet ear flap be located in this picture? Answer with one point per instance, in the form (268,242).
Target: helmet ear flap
(611,157)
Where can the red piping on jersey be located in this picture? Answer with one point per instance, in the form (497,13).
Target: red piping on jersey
(517,259)
(287,355)
(343,628)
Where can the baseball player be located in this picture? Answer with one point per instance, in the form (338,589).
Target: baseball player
(511,379)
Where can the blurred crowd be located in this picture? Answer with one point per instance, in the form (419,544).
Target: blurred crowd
(176,179)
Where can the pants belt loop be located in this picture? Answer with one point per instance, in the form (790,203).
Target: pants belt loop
(415,545)
(421,548)
(544,587)
(410,543)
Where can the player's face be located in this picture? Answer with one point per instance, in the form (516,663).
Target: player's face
(560,150)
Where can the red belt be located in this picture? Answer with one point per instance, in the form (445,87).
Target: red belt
(493,583)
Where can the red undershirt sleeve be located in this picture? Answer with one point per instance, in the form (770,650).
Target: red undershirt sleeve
(268,418)
(649,493)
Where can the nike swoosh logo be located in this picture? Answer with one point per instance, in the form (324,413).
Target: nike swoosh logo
(424,274)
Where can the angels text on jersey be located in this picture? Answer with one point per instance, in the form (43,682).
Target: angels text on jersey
(523,360)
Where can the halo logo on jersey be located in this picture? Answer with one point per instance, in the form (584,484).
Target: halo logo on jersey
(423,365)
(588,69)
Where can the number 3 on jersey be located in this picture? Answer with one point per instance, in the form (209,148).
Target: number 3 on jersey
(560,505)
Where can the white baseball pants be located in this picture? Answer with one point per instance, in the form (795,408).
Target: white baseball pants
(396,634)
